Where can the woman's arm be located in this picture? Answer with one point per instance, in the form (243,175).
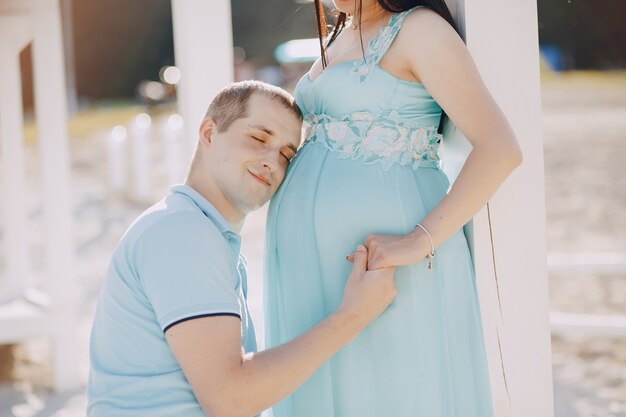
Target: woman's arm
(434,53)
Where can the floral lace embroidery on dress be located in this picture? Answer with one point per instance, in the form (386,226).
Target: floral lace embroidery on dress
(378,45)
(371,138)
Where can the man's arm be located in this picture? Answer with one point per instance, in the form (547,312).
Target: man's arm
(227,384)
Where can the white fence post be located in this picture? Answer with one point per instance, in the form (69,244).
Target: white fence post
(51,112)
(204,53)
(171,132)
(13,38)
(141,150)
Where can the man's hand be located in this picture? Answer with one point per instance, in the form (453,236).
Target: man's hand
(367,293)
(389,250)
(395,250)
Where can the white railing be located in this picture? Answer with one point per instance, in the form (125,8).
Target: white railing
(572,264)
(578,263)
(131,150)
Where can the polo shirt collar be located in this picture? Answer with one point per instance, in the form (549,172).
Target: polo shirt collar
(207,208)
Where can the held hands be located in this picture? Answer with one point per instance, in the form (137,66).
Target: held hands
(367,293)
(388,250)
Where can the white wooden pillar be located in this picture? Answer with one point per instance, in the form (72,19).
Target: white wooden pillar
(502,37)
(13,38)
(51,113)
(204,53)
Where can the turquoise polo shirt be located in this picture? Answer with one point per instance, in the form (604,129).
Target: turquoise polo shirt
(178,261)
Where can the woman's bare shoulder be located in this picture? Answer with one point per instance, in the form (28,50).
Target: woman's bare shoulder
(426,25)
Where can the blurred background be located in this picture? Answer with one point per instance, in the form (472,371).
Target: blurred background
(125,150)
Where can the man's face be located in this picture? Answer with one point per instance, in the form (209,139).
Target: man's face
(249,159)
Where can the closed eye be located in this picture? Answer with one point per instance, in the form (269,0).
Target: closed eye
(289,154)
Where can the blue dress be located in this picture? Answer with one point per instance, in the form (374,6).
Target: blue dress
(370,164)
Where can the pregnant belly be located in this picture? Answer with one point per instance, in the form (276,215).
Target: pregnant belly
(328,205)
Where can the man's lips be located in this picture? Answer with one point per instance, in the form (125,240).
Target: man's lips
(260,178)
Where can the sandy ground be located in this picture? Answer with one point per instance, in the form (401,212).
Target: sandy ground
(585,195)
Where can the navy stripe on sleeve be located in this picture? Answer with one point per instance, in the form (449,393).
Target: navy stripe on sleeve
(198,317)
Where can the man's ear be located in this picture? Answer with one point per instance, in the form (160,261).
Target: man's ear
(207,127)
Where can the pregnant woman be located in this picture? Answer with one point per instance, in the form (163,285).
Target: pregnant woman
(369,171)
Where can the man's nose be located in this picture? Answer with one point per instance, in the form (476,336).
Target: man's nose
(271,160)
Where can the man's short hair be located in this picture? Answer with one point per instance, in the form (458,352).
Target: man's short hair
(231,103)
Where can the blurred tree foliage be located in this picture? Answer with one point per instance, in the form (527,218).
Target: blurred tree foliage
(260,26)
(119,43)
(591,33)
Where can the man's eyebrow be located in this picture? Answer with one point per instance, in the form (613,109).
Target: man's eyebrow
(263,128)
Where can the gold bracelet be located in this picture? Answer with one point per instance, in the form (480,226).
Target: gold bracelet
(431,255)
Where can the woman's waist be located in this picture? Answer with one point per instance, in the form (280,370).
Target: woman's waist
(388,140)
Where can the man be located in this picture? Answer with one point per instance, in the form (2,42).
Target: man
(172,335)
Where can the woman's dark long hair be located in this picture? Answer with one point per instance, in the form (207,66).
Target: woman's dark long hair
(393,6)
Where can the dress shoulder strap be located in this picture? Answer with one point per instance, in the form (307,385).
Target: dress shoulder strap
(385,38)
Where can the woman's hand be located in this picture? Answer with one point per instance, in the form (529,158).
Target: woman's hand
(392,250)
(388,250)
